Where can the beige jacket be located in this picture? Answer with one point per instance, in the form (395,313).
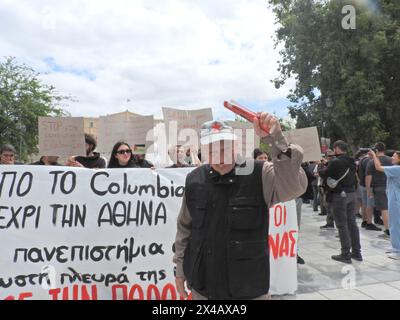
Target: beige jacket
(283,180)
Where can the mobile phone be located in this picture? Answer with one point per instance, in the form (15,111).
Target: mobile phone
(243,112)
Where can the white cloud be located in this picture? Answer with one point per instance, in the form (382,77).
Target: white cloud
(193,53)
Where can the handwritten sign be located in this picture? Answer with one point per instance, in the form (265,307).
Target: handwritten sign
(308,139)
(74,234)
(178,120)
(61,136)
(129,128)
(248,140)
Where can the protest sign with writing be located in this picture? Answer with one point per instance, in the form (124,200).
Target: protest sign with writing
(308,139)
(132,129)
(176,121)
(61,136)
(248,140)
(73,234)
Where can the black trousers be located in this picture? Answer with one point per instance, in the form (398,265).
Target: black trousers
(343,209)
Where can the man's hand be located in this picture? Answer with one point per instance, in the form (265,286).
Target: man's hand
(372,153)
(180,286)
(5,160)
(71,162)
(265,120)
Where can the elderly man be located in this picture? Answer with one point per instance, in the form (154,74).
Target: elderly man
(7,155)
(221,247)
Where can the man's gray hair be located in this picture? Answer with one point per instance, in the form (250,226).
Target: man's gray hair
(7,147)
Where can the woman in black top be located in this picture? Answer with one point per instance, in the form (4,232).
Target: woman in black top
(121,156)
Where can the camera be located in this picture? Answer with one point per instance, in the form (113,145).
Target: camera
(364,150)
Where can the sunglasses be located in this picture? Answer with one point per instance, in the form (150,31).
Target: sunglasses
(128,151)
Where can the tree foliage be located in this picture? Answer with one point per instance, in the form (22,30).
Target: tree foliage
(347,79)
(24,98)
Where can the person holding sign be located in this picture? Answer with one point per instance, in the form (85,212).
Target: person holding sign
(121,156)
(92,159)
(221,245)
(7,155)
(47,161)
(139,155)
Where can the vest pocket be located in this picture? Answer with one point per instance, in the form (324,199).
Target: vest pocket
(244,214)
(248,268)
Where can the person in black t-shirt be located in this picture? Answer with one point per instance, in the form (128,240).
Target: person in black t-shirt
(343,201)
(367,204)
(375,182)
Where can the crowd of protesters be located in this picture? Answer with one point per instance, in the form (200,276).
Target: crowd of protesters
(365,186)
(122,156)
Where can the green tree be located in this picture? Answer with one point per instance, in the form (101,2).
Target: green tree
(347,81)
(24,98)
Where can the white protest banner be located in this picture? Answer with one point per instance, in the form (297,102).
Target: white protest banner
(62,136)
(248,140)
(283,235)
(176,121)
(74,234)
(308,139)
(132,129)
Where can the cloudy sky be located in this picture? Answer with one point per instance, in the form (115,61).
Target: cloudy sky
(142,55)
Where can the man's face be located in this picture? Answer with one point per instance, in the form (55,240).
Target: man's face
(336,150)
(180,154)
(395,159)
(7,157)
(221,156)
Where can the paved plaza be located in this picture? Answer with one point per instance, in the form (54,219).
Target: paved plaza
(321,278)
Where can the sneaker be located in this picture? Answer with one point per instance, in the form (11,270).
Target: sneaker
(364,224)
(372,227)
(387,232)
(357,256)
(378,221)
(322,214)
(342,258)
(358,216)
(384,235)
(327,227)
(300,260)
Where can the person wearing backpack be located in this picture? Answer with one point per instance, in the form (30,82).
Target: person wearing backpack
(340,176)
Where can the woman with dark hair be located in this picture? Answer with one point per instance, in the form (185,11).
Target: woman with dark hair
(260,155)
(121,156)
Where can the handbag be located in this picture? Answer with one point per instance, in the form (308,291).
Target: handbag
(332,183)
